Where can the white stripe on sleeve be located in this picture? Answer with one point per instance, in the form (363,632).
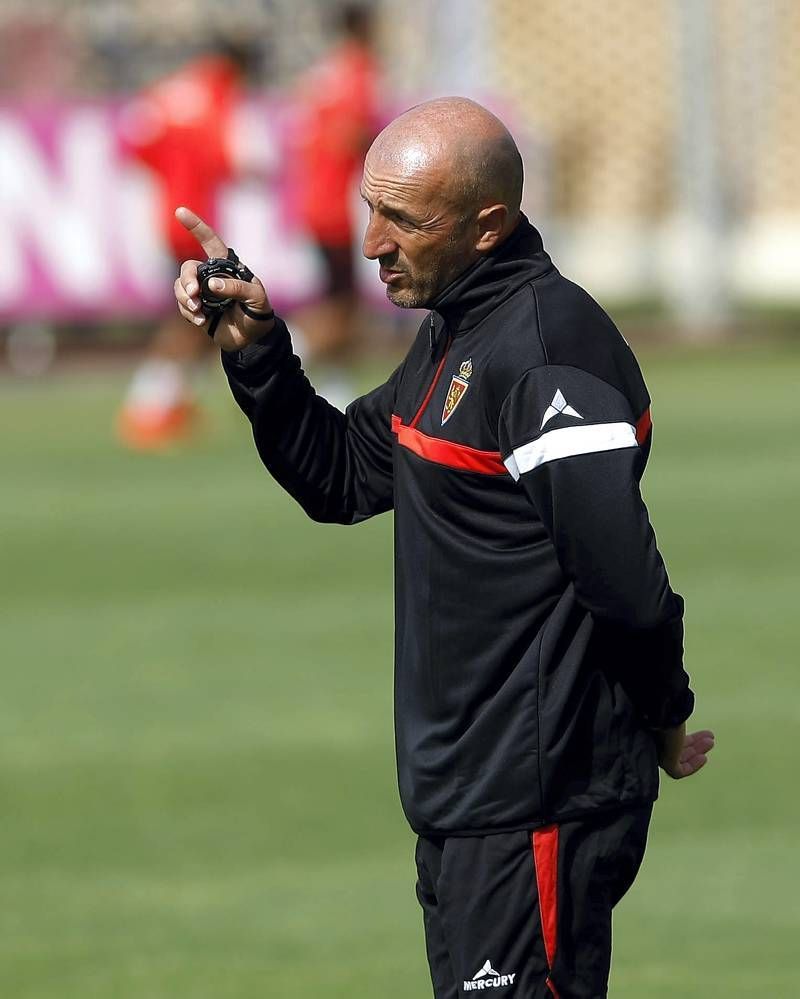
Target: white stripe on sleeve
(569,441)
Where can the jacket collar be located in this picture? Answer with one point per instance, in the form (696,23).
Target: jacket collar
(477,292)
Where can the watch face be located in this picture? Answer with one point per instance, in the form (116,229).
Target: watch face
(229,266)
(210,303)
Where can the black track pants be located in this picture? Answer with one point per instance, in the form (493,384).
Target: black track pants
(524,915)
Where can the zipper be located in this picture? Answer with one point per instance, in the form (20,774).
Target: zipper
(437,374)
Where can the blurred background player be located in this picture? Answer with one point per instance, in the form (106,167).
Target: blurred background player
(338,118)
(182,129)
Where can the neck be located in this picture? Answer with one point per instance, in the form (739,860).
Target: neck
(517,258)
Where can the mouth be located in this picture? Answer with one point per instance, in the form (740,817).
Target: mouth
(389,276)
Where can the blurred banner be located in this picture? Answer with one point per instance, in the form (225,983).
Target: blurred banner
(660,140)
(79,219)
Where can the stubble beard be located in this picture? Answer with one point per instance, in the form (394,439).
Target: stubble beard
(411,298)
(423,290)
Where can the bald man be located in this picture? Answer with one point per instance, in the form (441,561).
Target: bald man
(538,665)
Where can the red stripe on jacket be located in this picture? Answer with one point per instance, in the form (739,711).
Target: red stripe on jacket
(643,426)
(448,453)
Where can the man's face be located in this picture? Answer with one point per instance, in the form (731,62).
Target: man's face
(415,231)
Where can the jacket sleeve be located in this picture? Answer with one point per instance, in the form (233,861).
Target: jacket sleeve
(338,466)
(570,441)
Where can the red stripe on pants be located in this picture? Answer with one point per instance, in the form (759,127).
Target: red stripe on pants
(545,859)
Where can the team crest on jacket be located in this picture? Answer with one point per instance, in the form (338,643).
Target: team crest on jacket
(458,389)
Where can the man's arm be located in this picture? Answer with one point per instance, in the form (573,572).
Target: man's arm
(569,439)
(338,466)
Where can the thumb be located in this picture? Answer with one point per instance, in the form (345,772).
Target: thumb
(251,293)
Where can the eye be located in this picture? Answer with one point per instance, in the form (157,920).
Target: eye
(402,220)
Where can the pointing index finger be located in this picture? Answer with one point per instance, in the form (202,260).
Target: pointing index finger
(202,232)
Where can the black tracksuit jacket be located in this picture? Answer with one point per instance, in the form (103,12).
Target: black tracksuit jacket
(537,639)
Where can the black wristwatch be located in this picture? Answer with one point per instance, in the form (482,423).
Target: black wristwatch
(213,307)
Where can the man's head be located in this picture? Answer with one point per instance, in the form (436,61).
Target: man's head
(356,22)
(443,183)
(240,52)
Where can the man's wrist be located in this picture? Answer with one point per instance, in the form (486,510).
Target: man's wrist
(258,314)
(256,332)
(669,742)
(268,343)
(256,324)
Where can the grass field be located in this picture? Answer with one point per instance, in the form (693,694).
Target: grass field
(196,760)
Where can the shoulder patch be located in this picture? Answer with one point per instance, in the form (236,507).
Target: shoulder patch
(559,407)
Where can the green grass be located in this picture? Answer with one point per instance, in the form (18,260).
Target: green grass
(196,761)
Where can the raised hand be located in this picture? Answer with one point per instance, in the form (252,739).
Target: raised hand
(235,330)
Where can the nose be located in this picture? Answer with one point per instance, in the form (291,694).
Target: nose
(377,241)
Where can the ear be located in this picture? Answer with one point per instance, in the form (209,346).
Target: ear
(491,227)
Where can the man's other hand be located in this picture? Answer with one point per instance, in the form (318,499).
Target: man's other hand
(234,330)
(681,755)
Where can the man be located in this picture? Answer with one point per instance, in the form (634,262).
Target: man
(181,130)
(539,676)
(337,101)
